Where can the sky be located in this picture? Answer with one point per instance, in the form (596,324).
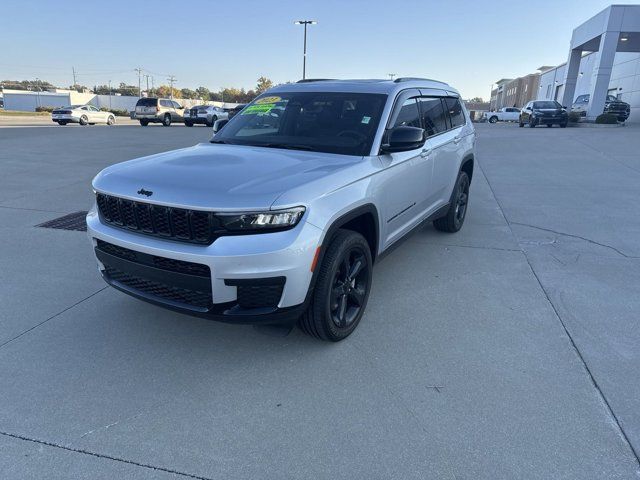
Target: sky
(467,43)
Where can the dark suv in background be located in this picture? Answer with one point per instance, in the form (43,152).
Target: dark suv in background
(544,112)
(612,105)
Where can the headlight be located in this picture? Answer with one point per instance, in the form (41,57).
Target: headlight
(262,221)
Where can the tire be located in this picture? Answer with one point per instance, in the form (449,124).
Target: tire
(338,303)
(493,119)
(564,125)
(532,122)
(549,125)
(166,120)
(454,219)
(144,122)
(62,123)
(520,124)
(188,124)
(111,120)
(213,120)
(84,120)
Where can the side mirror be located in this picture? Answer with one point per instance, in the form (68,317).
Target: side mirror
(404,138)
(218,124)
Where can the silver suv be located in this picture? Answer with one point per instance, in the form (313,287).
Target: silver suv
(281,217)
(158,110)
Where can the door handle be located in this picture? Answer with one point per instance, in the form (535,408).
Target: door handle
(425,152)
(456,140)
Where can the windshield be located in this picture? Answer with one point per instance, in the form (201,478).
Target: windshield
(611,98)
(546,105)
(332,122)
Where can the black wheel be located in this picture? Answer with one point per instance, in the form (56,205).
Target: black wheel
(454,219)
(62,122)
(166,120)
(342,288)
(144,123)
(564,125)
(520,123)
(493,119)
(84,120)
(213,120)
(532,122)
(549,125)
(111,120)
(189,124)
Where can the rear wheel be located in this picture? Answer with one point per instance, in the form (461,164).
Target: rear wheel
(493,119)
(342,288)
(111,120)
(144,123)
(189,124)
(84,120)
(454,219)
(166,120)
(62,122)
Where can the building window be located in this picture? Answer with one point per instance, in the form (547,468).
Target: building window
(548,91)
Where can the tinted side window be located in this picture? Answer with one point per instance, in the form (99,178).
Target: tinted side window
(456,115)
(165,103)
(434,117)
(409,114)
(176,104)
(147,102)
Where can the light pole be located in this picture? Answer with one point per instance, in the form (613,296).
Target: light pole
(109,94)
(304,56)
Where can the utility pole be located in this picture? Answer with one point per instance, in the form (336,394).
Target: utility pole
(391,75)
(304,55)
(147,78)
(171,80)
(139,70)
(109,94)
(74,76)
(153,88)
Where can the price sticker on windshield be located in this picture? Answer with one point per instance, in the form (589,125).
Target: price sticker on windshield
(264,100)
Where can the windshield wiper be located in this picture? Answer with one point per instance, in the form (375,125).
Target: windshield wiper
(288,146)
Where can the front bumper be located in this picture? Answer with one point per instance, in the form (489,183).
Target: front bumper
(234,262)
(551,120)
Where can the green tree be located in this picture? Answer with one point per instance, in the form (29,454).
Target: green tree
(263,85)
(203,93)
(188,93)
(165,92)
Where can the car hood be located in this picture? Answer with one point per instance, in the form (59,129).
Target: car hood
(218,177)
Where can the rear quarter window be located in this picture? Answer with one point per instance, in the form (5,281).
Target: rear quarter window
(456,114)
(147,102)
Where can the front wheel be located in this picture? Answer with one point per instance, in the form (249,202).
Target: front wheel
(520,123)
(564,125)
(342,288)
(532,122)
(62,122)
(84,120)
(166,121)
(111,120)
(454,219)
(493,119)
(144,123)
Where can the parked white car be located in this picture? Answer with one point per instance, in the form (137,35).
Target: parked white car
(204,114)
(505,114)
(82,114)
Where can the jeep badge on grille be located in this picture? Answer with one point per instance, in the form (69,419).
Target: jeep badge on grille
(142,191)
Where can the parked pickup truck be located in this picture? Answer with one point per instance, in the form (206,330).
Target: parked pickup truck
(506,114)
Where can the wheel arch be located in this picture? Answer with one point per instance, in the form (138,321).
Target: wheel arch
(467,165)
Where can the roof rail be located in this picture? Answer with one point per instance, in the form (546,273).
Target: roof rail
(308,80)
(409,79)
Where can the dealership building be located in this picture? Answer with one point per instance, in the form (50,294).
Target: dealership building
(603,59)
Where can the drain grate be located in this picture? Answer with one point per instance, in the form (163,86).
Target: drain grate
(73,221)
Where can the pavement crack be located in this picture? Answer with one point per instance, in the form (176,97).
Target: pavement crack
(104,456)
(567,332)
(588,240)
(106,427)
(52,317)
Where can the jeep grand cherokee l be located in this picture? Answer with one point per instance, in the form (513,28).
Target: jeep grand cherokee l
(281,217)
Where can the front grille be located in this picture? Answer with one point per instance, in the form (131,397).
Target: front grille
(196,274)
(157,289)
(178,224)
(170,264)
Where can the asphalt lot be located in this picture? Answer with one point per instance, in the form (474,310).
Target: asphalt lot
(509,350)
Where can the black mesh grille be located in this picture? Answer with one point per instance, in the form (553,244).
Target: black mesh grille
(173,265)
(175,223)
(168,292)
